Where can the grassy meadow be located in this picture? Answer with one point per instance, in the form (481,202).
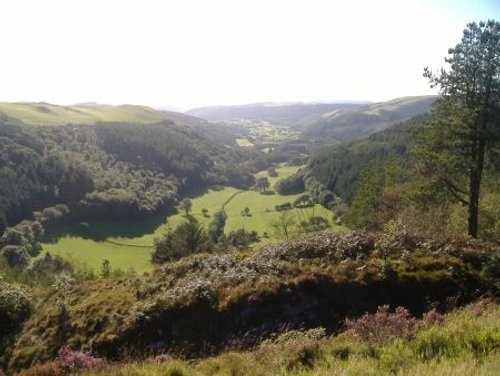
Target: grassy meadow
(128,245)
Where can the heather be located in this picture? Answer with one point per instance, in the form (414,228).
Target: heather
(465,341)
(206,304)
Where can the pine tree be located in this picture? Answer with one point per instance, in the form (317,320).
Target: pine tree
(452,150)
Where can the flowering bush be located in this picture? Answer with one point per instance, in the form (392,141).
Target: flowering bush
(329,246)
(383,325)
(432,317)
(73,360)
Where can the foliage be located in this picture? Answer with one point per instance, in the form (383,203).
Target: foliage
(465,343)
(284,224)
(105,268)
(216,227)
(272,172)
(304,201)
(77,360)
(453,151)
(262,184)
(384,325)
(49,266)
(314,224)
(339,167)
(16,256)
(283,207)
(365,203)
(67,362)
(187,238)
(291,185)
(241,238)
(110,170)
(15,306)
(248,296)
(186,205)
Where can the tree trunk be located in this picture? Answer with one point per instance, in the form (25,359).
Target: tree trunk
(473,204)
(474,190)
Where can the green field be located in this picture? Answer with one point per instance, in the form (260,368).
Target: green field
(128,246)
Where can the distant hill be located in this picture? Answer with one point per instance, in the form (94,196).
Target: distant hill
(290,114)
(326,123)
(361,121)
(89,113)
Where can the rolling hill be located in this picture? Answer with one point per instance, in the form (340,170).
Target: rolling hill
(290,114)
(89,113)
(360,122)
(326,123)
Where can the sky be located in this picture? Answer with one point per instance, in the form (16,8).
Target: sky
(179,54)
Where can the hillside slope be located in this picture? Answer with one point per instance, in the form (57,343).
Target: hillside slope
(290,114)
(339,166)
(50,114)
(208,303)
(326,123)
(356,123)
(133,166)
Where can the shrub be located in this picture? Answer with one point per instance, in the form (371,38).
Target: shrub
(384,325)
(12,236)
(216,227)
(291,185)
(241,238)
(314,224)
(282,207)
(272,172)
(15,256)
(15,306)
(304,201)
(105,268)
(72,360)
(187,238)
(49,265)
(45,369)
(25,234)
(67,361)
(432,317)
(52,215)
(301,334)
(303,354)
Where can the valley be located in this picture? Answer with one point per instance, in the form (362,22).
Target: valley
(250,188)
(128,245)
(146,241)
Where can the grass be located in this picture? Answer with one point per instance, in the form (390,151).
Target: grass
(128,245)
(88,253)
(462,332)
(49,114)
(245,296)
(262,212)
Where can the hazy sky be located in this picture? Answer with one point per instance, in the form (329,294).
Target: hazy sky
(183,53)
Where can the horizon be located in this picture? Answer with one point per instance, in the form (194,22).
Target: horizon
(185,110)
(187,54)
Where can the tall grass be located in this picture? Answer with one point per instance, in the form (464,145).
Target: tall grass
(466,342)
